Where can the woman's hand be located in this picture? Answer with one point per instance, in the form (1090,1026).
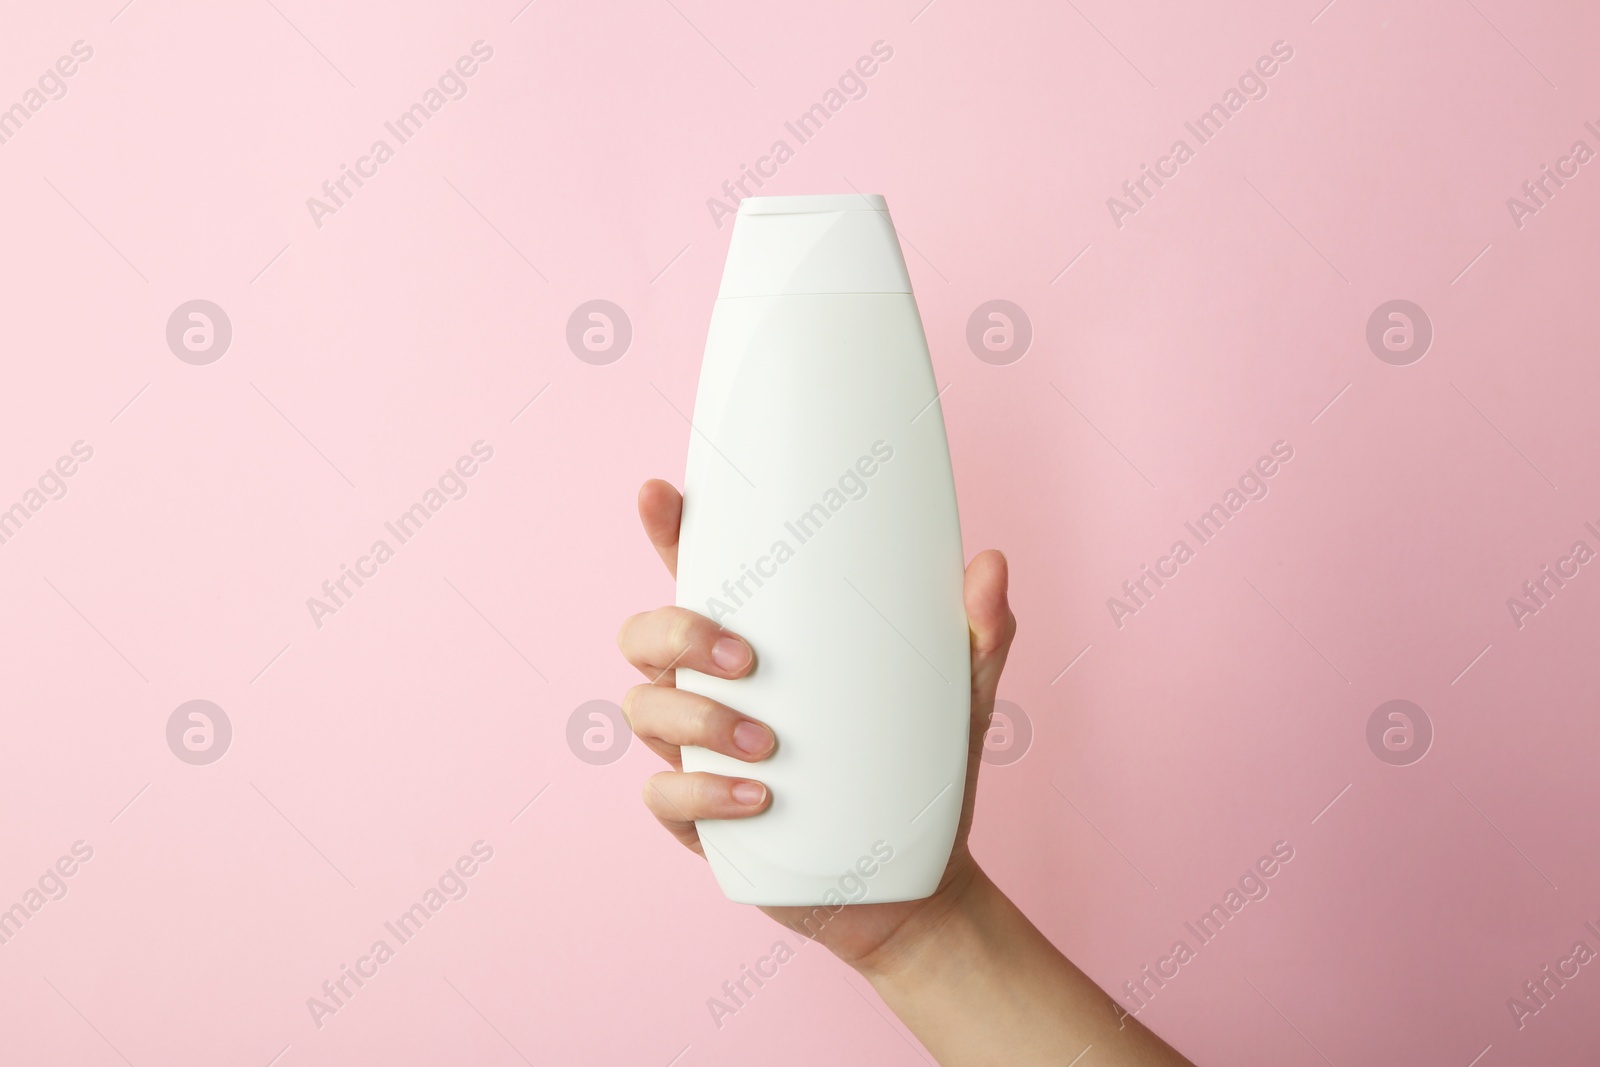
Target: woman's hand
(666,718)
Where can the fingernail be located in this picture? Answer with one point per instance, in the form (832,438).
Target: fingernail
(730,653)
(752,737)
(749,793)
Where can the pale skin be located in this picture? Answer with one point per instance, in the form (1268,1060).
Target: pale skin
(964,969)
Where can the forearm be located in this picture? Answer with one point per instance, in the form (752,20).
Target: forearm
(979,984)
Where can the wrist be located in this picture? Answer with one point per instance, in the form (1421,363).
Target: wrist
(936,930)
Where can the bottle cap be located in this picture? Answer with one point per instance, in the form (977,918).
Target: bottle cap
(797,245)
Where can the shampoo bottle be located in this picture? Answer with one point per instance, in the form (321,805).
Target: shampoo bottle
(819,522)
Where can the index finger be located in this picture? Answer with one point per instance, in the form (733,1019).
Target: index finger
(661,512)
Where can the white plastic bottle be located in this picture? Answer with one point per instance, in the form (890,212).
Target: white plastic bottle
(820,523)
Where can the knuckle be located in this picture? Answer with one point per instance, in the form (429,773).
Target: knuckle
(630,705)
(652,792)
(708,792)
(702,717)
(682,633)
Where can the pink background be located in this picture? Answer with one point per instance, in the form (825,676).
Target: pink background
(368,354)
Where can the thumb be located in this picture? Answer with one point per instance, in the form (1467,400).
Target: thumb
(991,624)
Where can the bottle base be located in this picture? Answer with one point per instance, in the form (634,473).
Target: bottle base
(770,900)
